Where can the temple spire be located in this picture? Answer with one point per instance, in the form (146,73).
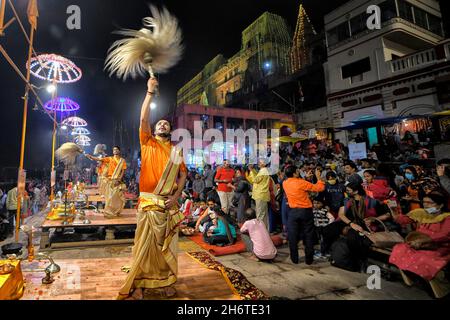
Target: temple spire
(300,53)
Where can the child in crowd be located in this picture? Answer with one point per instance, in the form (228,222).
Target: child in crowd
(322,218)
(257,238)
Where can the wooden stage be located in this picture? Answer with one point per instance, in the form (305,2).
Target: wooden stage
(101,279)
(127,218)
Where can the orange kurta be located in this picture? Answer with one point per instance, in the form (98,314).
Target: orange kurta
(112,164)
(101,167)
(154,157)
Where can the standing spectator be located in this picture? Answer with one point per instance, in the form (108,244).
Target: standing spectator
(208,177)
(241,198)
(322,218)
(351,172)
(198,187)
(261,192)
(300,216)
(36,199)
(251,173)
(4,222)
(258,240)
(284,205)
(11,206)
(224,176)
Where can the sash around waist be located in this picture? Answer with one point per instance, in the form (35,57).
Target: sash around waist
(150,201)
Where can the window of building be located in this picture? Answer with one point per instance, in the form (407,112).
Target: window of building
(358,24)
(356,68)
(435,24)
(339,33)
(405,10)
(357,78)
(388,10)
(420,17)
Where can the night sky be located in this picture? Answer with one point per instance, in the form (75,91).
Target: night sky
(209,28)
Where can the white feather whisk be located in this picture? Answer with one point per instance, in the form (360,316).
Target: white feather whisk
(155,48)
(68,153)
(100,149)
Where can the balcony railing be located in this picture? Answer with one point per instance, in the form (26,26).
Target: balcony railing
(413,61)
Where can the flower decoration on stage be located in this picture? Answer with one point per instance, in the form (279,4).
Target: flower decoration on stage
(82,138)
(80,131)
(61,104)
(155,48)
(75,122)
(55,68)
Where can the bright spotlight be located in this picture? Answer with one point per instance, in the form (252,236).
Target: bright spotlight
(51,88)
(64,127)
(152,105)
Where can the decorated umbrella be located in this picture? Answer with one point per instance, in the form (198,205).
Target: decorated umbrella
(63,106)
(75,122)
(82,138)
(55,68)
(78,131)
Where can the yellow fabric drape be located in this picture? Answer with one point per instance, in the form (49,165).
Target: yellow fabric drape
(11,285)
(422,216)
(114,198)
(155,260)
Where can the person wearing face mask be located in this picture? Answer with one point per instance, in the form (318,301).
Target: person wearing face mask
(426,251)
(411,189)
(334,193)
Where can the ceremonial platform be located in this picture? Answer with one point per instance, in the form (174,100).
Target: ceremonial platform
(101,279)
(126,219)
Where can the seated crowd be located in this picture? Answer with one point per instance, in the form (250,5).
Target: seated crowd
(334,206)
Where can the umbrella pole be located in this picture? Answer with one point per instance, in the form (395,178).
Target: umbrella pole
(24,132)
(53,183)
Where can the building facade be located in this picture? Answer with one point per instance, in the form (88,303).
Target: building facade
(264,51)
(393,71)
(221,118)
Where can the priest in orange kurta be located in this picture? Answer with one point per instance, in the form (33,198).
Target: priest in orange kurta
(114,186)
(163,176)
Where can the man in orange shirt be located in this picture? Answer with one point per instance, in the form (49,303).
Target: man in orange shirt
(300,213)
(114,186)
(163,176)
(224,177)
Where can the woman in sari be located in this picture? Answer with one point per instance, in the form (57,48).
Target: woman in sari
(426,251)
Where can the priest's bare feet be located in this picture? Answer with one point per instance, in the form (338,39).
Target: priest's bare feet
(136,295)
